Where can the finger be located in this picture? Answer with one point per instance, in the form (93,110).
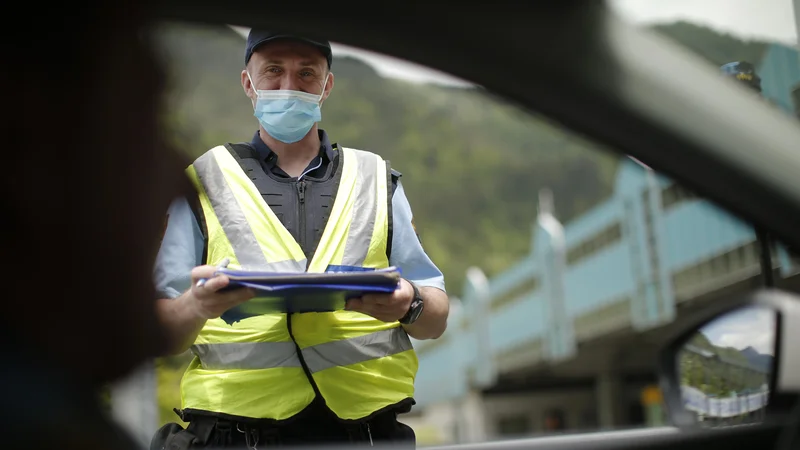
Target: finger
(205,271)
(361,307)
(236,296)
(216,283)
(215,304)
(378,299)
(353,304)
(382,313)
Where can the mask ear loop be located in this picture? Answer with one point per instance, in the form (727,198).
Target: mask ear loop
(324,84)
(253,87)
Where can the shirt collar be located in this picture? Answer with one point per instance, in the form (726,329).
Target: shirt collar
(266,154)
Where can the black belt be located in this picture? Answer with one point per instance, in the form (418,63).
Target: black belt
(210,430)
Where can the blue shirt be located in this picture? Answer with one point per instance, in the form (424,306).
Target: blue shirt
(183,244)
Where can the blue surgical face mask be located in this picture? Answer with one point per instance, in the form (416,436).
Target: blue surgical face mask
(287,115)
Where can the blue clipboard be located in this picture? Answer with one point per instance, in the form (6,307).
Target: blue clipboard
(305,292)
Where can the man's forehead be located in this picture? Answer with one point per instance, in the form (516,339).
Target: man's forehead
(290,50)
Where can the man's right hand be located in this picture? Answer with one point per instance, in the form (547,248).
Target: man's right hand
(206,302)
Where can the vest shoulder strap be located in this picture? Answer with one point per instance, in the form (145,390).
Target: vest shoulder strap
(241,150)
(392,177)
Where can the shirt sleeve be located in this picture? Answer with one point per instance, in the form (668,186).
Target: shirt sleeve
(181,250)
(407,252)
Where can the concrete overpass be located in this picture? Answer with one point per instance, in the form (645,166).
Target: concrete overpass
(574,326)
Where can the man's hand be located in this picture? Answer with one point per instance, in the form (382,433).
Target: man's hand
(385,307)
(186,315)
(206,302)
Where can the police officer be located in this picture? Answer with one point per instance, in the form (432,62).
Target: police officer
(744,72)
(291,200)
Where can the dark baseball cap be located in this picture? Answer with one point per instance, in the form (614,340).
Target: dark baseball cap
(258,37)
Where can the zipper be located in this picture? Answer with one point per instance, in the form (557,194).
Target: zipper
(301,195)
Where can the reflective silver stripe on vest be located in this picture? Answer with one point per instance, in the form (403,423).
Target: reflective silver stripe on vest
(356,350)
(247,355)
(362,221)
(233,221)
(268,355)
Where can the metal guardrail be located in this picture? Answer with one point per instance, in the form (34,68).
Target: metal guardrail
(723,407)
(573,441)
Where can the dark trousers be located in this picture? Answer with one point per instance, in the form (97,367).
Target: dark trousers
(314,427)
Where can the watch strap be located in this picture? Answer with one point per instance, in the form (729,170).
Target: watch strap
(413,310)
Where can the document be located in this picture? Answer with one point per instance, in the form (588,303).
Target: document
(278,292)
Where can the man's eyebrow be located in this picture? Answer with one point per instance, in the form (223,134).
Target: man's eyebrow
(305,63)
(309,63)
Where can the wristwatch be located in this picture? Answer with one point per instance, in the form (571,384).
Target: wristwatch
(415,310)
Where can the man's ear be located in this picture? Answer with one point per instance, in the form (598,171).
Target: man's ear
(247,86)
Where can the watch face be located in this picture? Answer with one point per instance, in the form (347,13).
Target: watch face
(416,310)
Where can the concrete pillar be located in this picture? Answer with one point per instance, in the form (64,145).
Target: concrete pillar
(610,400)
(134,404)
(552,259)
(485,374)
(471,419)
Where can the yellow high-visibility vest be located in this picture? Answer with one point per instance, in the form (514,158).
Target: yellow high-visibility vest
(252,368)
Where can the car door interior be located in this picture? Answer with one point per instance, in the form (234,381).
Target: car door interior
(579,65)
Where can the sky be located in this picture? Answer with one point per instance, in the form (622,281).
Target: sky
(748,327)
(749,19)
(771,20)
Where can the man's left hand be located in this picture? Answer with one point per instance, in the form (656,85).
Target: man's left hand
(385,307)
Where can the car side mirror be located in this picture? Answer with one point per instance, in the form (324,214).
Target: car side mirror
(734,364)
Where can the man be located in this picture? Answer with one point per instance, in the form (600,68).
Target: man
(290,200)
(80,227)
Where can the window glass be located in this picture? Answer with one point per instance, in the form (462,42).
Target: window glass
(566,339)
